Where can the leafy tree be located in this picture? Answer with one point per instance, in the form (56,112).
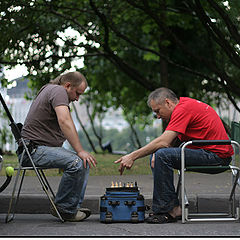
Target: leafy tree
(129,47)
(121,140)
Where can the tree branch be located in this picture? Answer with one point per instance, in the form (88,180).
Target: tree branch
(230,25)
(83,128)
(130,71)
(216,34)
(12,63)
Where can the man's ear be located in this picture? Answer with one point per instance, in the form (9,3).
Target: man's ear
(167,102)
(67,85)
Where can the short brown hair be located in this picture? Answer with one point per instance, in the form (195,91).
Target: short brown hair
(75,78)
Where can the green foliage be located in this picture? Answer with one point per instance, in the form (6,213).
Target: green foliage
(5,137)
(121,141)
(129,48)
(5,133)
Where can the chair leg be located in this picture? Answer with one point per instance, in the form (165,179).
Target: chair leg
(13,202)
(47,183)
(7,219)
(234,186)
(14,206)
(19,190)
(232,198)
(41,180)
(46,186)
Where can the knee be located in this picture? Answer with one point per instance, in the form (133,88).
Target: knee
(76,165)
(160,153)
(163,156)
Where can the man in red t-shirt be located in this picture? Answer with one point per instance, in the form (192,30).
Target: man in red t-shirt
(187,119)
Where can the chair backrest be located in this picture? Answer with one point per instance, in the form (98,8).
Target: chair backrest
(235,131)
(15,127)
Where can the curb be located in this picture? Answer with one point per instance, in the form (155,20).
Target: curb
(39,204)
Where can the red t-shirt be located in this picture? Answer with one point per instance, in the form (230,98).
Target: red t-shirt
(195,120)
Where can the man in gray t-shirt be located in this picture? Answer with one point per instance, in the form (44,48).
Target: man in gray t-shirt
(41,125)
(47,125)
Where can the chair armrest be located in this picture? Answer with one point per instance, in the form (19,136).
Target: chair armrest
(211,142)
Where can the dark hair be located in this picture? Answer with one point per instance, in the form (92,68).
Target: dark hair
(160,94)
(75,78)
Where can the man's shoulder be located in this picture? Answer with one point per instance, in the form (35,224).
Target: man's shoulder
(54,87)
(190,103)
(53,94)
(186,106)
(57,95)
(52,90)
(186,100)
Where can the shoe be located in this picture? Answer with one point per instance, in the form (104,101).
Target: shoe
(77,217)
(86,211)
(80,216)
(160,218)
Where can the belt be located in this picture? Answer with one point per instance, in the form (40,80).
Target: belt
(30,145)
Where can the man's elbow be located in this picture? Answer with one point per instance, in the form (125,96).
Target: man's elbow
(62,121)
(166,145)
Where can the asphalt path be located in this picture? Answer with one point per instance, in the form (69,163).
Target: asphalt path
(45,225)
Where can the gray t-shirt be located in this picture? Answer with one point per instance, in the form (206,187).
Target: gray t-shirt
(41,124)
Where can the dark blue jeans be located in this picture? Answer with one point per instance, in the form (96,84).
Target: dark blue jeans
(73,183)
(166,159)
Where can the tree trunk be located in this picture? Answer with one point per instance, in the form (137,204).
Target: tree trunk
(84,130)
(135,136)
(98,136)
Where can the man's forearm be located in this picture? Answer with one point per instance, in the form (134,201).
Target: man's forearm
(71,135)
(150,148)
(144,151)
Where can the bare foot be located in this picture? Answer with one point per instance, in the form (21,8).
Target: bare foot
(177,211)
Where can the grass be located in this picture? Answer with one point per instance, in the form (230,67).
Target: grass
(105,166)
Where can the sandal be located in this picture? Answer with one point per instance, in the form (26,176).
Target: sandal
(178,217)
(160,218)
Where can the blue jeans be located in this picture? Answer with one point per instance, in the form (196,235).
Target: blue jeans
(73,183)
(166,159)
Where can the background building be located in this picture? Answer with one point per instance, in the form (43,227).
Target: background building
(18,105)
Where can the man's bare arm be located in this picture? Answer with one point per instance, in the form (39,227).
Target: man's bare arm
(69,130)
(163,141)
